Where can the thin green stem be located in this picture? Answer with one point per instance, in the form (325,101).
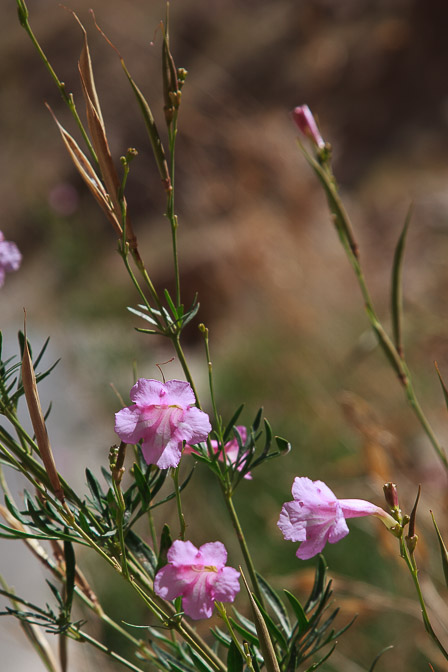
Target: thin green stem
(243,545)
(412,566)
(175,475)
(119,520)
(183,362)
(83,636)
(218,419)
(67,98)
(170,214)
(344,229)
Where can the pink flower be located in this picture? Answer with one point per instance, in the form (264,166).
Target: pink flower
(317,516)
(198,576)
(231,449)
(10,258)
(163,416)
(304,120)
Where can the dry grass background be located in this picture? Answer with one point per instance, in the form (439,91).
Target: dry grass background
(285,316)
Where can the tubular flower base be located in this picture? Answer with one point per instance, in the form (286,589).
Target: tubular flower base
(199,576)
(163,416)
(10,258)
(317,516)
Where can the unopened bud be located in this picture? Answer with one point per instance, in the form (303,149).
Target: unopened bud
(305,122)
(411,542)
(391,495)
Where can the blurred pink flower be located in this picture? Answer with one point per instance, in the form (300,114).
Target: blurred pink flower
(10,258)
(163,416)
(304,120)
(231,449)
(317,516)
(198,576)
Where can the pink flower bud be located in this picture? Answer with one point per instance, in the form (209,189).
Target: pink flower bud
(305,122)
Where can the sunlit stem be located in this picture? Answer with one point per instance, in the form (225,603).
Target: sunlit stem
(170,214)
(412,566)
(67,97)
(218,420)
(121,508)
(175,475)
(83,636)
(396,358)
(243,545)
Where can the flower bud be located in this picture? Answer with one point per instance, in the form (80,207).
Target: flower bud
(411,542)
(391,495)
(305,122)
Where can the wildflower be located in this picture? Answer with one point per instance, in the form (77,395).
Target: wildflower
(10,258)
(163,415)
(317,516)
(231,450)
(199,576)
(304,120)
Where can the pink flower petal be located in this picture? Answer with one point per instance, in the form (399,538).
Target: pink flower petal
(214,554)
(126,424)
(163,456)
(226,585)
(198,601)
(180,393)
(169,582)
(183,553)
(291,522)
(198,424)
(147,392)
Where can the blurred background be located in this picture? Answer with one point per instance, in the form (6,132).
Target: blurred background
(285,316)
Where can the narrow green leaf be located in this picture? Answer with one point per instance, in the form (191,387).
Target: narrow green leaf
(256,422)
(170,303)
(283,445)
(397,294)
(165,544)
(246,634)
(235,660)
(142,485)
(373,665)
(200,663)
(444,388)
(443,550)
(232,422)
(276,604)
(95,490)
(144,553)
(302,620)
(221,636)
(314,666)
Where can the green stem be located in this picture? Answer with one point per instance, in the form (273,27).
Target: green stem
(83,636)
(183,362)
(344,229)
(243,545)
(175,475)
(120,519)
(67,98)
(172,218)
(412,566)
